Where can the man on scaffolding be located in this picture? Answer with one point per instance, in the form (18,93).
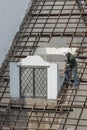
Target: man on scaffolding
(71,69)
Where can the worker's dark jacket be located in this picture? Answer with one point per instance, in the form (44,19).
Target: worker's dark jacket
(71,62)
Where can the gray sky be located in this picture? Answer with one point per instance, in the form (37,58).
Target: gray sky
(11,15)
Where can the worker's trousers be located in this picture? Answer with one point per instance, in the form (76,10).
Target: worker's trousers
(74,76)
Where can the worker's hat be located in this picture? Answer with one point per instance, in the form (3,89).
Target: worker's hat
(66,52)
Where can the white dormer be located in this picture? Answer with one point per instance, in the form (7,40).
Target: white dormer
(34,78)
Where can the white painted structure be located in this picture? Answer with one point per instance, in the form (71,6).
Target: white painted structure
(35,61)
(53,81)
(14,80)
(54,51)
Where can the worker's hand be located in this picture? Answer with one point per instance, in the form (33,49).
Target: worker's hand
(62,73)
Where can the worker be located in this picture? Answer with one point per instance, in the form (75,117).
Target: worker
(71,66)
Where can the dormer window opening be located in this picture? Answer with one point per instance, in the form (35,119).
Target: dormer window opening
(33,82)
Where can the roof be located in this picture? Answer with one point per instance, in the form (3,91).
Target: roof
(50,23)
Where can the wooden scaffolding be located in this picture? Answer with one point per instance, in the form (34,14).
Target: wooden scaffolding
(45,21)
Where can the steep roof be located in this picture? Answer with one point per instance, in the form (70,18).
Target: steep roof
(48,23)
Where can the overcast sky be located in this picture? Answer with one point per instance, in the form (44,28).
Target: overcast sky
(11,15)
